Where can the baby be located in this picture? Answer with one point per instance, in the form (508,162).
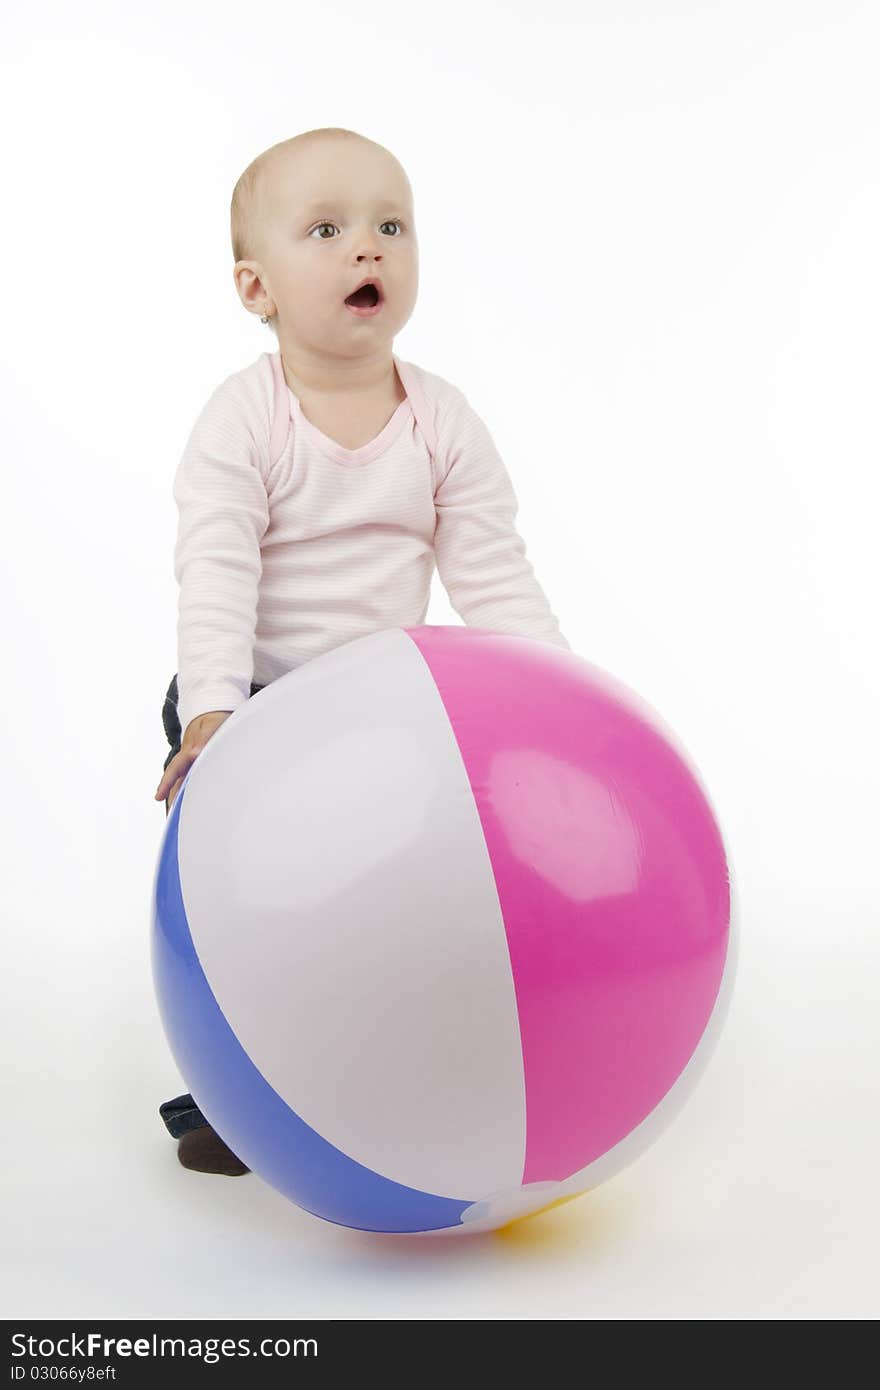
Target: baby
(322,483)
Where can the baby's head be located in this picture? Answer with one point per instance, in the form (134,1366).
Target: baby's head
(314,216)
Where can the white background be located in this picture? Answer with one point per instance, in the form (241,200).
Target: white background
(648,239)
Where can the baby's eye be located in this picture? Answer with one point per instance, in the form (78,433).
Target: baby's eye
(392,222)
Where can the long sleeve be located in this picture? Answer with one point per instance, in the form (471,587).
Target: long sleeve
(481,557)
(223,513)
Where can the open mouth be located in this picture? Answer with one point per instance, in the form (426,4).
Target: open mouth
(367,297)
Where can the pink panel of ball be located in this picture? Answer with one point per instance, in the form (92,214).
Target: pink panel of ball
(611,876)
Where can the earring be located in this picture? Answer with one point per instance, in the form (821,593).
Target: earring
(263,318)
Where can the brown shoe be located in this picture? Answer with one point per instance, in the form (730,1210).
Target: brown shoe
(204,1151)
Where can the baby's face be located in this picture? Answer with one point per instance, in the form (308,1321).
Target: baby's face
(332,217)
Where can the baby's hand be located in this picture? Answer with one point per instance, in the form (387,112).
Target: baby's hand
(198,731)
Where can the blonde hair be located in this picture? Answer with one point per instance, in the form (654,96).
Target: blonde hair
(245,209)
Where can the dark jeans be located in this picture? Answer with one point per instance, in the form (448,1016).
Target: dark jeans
(181,1114)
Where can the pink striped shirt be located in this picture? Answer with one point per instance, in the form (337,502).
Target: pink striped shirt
(289,544)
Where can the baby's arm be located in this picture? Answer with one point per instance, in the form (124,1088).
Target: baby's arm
(481,557)
(223,514)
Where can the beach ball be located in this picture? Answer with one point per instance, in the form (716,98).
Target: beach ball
(441,930)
